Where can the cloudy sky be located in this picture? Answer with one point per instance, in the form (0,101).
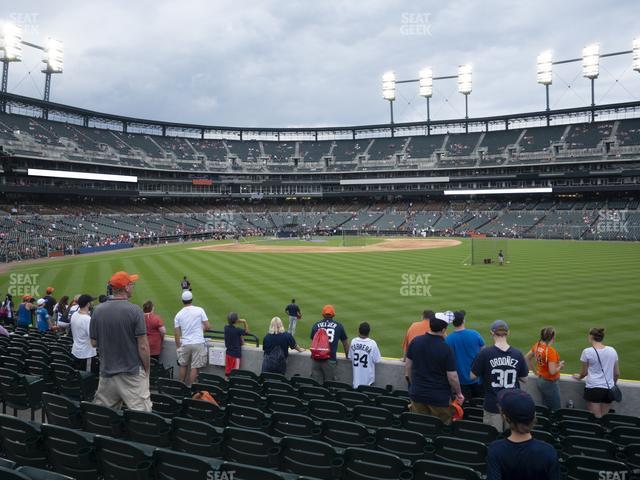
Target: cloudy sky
(309,63)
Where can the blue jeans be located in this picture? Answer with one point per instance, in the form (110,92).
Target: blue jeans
(550,391)
(292,324)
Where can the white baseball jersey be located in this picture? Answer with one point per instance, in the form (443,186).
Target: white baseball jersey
(364,355)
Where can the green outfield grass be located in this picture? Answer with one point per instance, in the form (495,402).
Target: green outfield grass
(570,285)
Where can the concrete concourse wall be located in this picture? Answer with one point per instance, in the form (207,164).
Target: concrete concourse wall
(391,372)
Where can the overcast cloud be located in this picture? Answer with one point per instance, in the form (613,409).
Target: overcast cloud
(309,63)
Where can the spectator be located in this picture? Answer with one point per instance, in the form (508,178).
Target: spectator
(25,311)
(50,302)
(499,367)
(295,314)
(545,362)
(118,330)
(416,329)
(61,313)
(233,342)
(6,310)
(73,306)
(431,372)
(466,344)
(82,349)
(276,345)
(325,370)
(600,366)
(43,321)
(155,329)
(190,324)
(364,354)
(520,456)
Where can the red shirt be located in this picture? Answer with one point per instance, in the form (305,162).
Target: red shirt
(154,323)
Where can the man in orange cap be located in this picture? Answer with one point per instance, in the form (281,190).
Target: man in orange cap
(50,302)
(324,369)
(119,332)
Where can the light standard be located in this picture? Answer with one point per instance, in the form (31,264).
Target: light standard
(11,46)
(464,87)
(591,69)
(389,92)
(544,75)
(426,91)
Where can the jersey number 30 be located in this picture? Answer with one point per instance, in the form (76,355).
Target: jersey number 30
(503,378)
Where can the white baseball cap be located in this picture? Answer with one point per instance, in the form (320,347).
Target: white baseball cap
(41,301)
(187,296)
(446,317)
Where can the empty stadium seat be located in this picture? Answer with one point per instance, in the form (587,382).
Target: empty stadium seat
(102,420)
(284,403)
(293,425)
(173,388)
(589,446)
(474,431)
(170,465)
(278,388)
(586,468)
(611,420)
(435,470)
(70,452)
(346,434)
(352,398)
(396,405)
(625,435)
(165,405)
(213,379)
(403,443)
(246,417)
(196,437)
(575,427)
(249,446)
(122,460)
(460,451)
(321,409)
(247,398)
(311,458)
(147,428)
(73,383)
(297,381)
(361,464)
(373,417)
(22,442)
(21,392)
(62,411)
(309,392)
(202,410)
(426,425)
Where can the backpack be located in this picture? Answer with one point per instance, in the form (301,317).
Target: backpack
(4,311)
(320,348)
(274,361)
(205,396)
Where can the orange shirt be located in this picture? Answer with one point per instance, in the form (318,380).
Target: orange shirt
(544,354)
(416,329)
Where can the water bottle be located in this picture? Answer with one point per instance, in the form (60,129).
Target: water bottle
(570,404)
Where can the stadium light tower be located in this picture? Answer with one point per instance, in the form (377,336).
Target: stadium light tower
(54,61)
(426,89)
(591,68)
(544,74)
(11,45)
(464,87)
(636,54)
(389,92)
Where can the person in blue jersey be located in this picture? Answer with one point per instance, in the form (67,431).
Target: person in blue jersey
(499,367)
(520,456)
(466,344)
(42,316)
(25,311)
(325,370)
(294,314)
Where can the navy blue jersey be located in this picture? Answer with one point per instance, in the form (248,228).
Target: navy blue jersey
(498,370)
(233,340)
(292,310)
(530,460)
(335,332)
(431,359)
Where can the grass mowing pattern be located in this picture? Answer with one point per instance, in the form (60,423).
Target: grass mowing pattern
(571,285)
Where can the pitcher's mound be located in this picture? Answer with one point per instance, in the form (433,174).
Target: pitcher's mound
(388,245)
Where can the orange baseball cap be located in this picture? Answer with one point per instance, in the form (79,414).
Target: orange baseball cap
(26,297)
(50,290)
(328,311)
(122,279)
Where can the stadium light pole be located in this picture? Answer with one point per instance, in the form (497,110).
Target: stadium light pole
(426,91)
(591,69)
(544,75)
(464,87)
(636,54)
(54,61)
(11,46)
(389,93)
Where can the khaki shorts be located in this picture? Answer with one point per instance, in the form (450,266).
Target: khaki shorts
(192,354)
(132,389)
(443,413)
(495,420)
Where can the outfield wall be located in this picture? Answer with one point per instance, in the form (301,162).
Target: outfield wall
(391,372)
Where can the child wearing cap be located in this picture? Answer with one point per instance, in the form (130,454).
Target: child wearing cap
(233,342)
(520,456)
(43,323)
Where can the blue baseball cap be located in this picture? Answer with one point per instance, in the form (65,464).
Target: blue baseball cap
(517,405)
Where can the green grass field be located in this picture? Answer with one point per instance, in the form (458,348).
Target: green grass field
(570,285)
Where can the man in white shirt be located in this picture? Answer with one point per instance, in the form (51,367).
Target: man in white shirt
(82,349)
(364,354)
(189,326)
